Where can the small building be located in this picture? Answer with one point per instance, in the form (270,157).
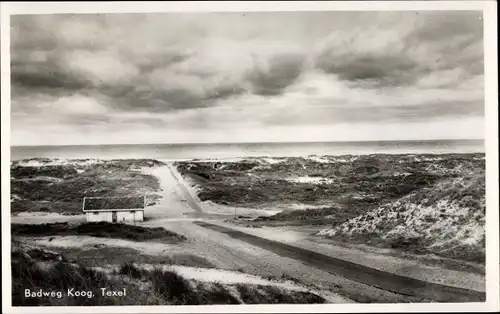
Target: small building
(114,209)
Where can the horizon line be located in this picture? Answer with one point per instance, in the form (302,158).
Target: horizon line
(265,142)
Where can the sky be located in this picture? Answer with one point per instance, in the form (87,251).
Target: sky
(246,77)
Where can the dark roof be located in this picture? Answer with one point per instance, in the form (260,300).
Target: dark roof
(102,203)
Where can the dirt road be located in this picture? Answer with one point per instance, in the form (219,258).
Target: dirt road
(180,211)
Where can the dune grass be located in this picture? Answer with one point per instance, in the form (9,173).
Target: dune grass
(416,203)
(95,229)
(355,184)
(60,188)
(446,219)
(143,287)
(175,289)
(102,255)
(59,277)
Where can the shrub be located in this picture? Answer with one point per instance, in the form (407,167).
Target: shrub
(129,269)
(95,229)
(172,288)
(58,277)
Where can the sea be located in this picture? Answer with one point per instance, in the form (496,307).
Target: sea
(239,150)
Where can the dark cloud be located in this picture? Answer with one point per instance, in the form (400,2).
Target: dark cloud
(372,70)
(60,67)
(132,98)
(225,92)
(134,94)
(281,71)
(150,69)
(149,62)
(48,79)
(347,57)
(436,42)
(39,69)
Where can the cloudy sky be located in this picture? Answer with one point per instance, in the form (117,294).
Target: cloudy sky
(231,77)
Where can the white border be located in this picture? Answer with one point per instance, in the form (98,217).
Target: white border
(489,9)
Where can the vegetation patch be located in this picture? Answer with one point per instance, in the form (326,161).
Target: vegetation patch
(114,255)
(60,277)
(416,203)
(177,290)
(96,229)
(273,295)
(446,219)
(314,216)
(43,185)
(352,183)
(143,287)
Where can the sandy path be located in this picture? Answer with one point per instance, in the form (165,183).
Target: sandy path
(209,208)
(174,203)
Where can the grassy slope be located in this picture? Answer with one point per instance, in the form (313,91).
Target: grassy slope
(446,219)
(96,229)
(144,287)
(113,255)
(61,187)
(357,182)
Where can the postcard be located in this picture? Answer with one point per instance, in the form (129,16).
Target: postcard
(230,157)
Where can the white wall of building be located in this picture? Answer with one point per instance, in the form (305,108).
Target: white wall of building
(139,215)
(125,216)
(121,216)
(99,216)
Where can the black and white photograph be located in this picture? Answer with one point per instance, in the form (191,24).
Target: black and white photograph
(248,157)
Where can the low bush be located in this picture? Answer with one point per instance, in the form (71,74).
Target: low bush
(144,286)
(61,188)
(61,276)
(95,229)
